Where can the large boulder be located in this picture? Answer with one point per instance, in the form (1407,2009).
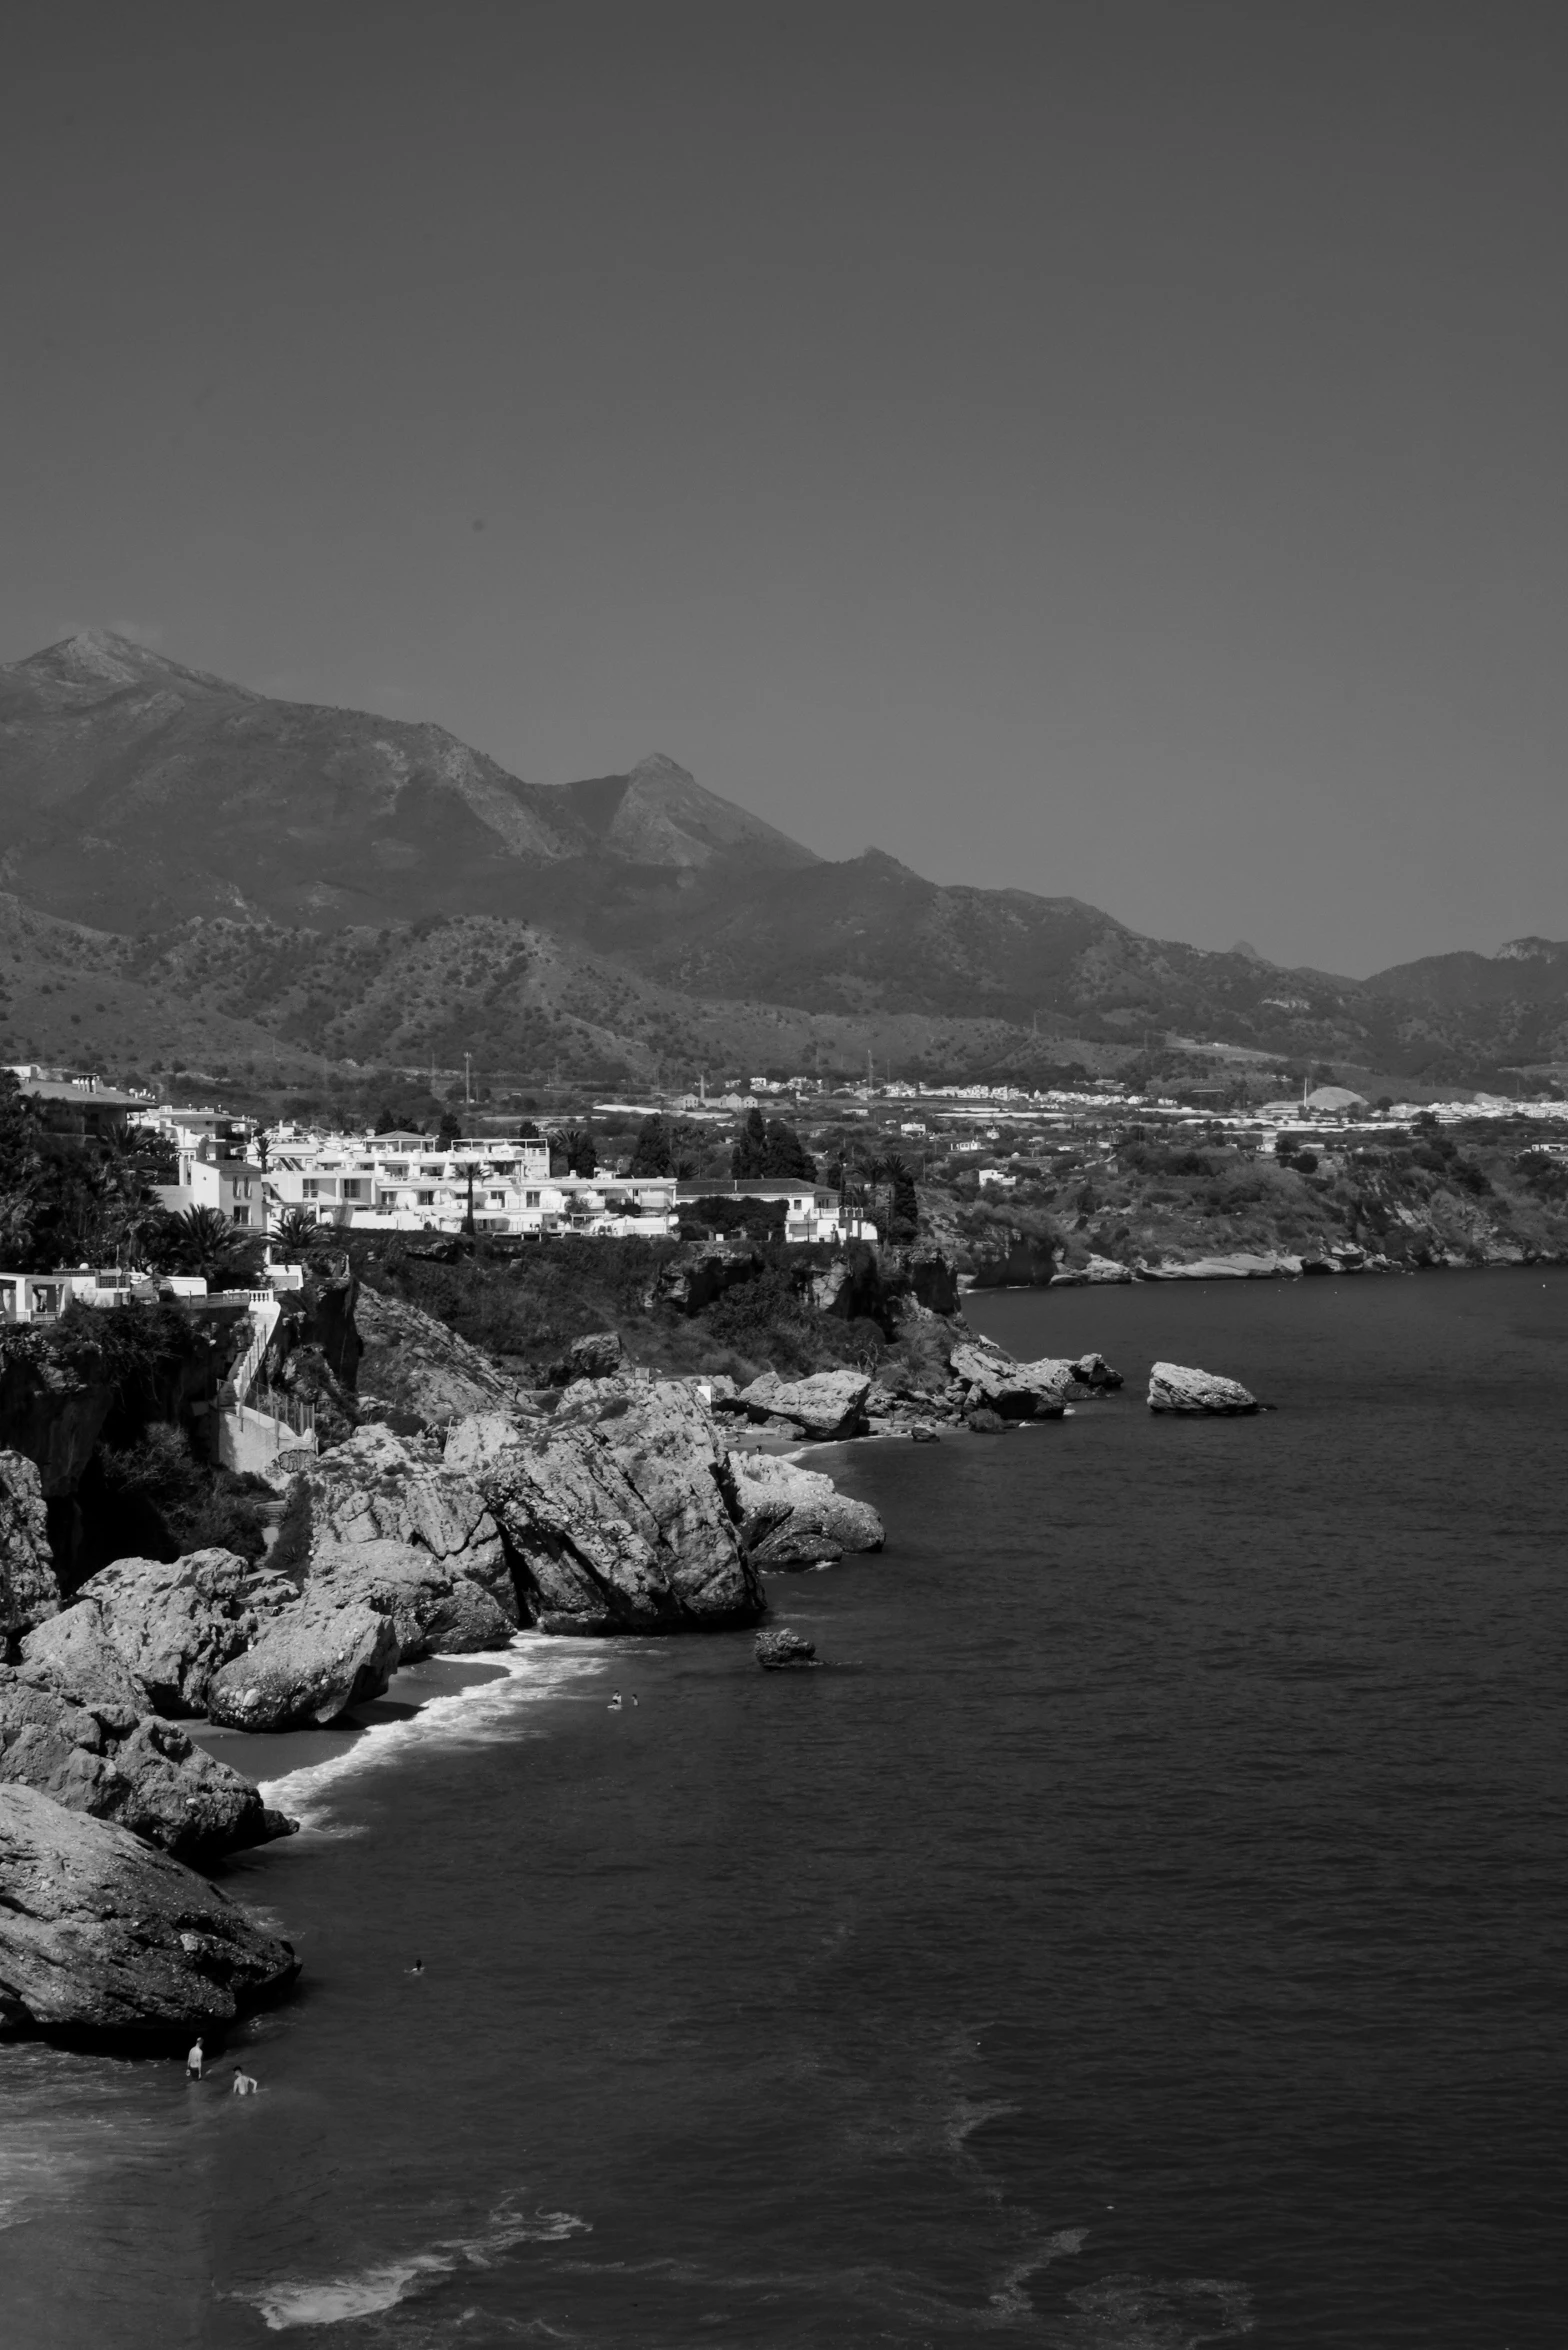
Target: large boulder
(828,1405)
(379,1488)
(610,1526)
(662,1436)
(94,1751)
(431,1607)
(1174,1388)
(103,1937)
(796,1517)
(311,1663)
(29,1590)
(175,1623)
(1015,1391)
(778,1651)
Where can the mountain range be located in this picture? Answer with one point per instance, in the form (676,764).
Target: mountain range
(198,874)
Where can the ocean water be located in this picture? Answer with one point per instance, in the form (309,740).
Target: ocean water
(1149,1932)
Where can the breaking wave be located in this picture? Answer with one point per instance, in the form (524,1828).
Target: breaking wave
(535,1665)
(328,2301)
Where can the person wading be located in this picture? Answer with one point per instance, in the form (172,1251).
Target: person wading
(193,2062)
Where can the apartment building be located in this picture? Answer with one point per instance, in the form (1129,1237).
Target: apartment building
(406,1183)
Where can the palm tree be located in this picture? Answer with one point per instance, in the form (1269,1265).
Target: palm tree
(472,1169)
(206,1243)
(295,1231)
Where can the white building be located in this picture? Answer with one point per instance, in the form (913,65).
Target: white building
(812,1211)
(406,1183)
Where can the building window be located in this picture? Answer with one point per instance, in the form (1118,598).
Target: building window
(242,1215)
(427,1199)
(309,1188)
(530,1199)
(498,1199)
(352,1189)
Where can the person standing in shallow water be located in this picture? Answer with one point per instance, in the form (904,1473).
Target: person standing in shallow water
(193,2061)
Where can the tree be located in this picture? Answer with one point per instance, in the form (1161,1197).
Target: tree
(767,1146)
(472,1169)
(386,1123)
(577,1148)
(651,1152)
(295,1231)
(201,1241)
(450,1129)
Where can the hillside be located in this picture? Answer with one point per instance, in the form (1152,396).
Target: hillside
(274,884)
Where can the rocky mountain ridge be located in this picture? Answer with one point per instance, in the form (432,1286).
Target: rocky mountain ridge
(264,880)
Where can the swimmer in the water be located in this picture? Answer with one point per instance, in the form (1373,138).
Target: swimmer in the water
(418,1967)
(634,1697)
(243,2084)
(614,1705)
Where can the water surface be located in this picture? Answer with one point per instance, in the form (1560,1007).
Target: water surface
(1149,1931)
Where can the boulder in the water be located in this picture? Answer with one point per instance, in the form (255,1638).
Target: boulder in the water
(796,1517)
(778,1651)
(104,1938)
(1175,1388)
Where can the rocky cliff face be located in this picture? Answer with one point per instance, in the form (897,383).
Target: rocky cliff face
(29,1588)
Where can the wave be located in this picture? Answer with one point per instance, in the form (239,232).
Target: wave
(329,2301)
(535,1665)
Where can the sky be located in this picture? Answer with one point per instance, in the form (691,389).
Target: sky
(1111,448)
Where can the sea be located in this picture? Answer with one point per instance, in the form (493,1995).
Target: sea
(1148,1929)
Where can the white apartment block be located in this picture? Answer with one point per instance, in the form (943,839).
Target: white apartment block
(403,1183)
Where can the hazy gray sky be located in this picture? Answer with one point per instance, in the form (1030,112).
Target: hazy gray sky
(1109,449)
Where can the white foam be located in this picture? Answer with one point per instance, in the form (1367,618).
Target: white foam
(333,2300)
(535,1665)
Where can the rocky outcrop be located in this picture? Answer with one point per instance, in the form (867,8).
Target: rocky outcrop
(102,1937)
(615,1512)
(311,1663)
(380,1488)
(433,1609)
(1174,1388)
(1095,1270)
(414,1365)
(796,1517)
(827,1406)
(779,1651)
(174,1624)
(1234,1265)
(93,1745)
(1015,1391)
(29,1590)
(663,1439)
(598,1355)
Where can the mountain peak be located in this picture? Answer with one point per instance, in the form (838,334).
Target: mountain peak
(97,660)
(1528,950)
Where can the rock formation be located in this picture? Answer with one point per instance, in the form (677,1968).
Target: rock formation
(1174,1388)
(103,1937)
(778,1651)
(92,1747)
(1014,1391)
(829,1405)
(615,1512)
(28,1589)
(310,1664)
(796,1517)
(432,1608)
(380,1488)
(174,1624)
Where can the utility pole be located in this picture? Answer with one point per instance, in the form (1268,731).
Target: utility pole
(468,1092)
